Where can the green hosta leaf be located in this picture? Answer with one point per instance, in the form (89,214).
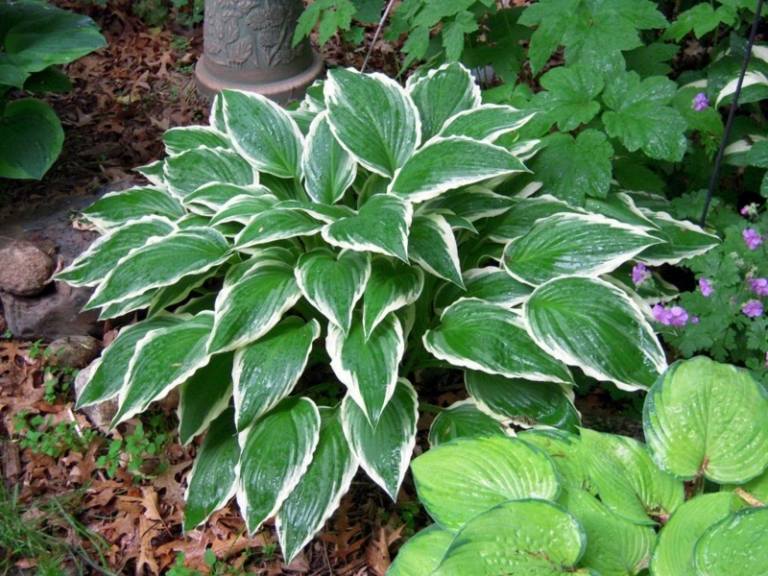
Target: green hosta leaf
(569,96)
(373,118)
(117,309)
(187,171)
(391,286)
(674,552)
(204,396)
(380,226)
(487,337)
(175,293)
(462,419)
(432,245)
(621,207)
(564,449)
(117,208)
(490,284)
(708,419)
(737,543)
(641,118)
(320,489)
(368,367)
(254,298)
(422,553)
(461,479)
(525,213)
(31,138)
(536,537)
(267,370)
(589,323)
(263,133)
(384,450)
(241,209)
(211,198)
(102,256)
(525,403)
(334,284)
(178,140)
(328,169)
(213,478)
(486,122)
(683,240)
(442,93)
(573,244)
(154,172)
(161,262)
(447,163)
(472,203)
(276,452)
(162,360)
(277,224)
(325,212)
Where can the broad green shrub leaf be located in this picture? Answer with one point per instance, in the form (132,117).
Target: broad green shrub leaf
(204,396)
(373,118)
(524,537)
(276,452)
(521,401)
(162,360)
(320,489)
(441,94)
(422,552)
(334,284)
(569,95)
(446,163)
(432,245)
(213,479)
(489,284)
(462,419)
(564,449)
(463,478)
(736,543)
(708,419)
(683,240)
(328,169)
(263,132)
(483,336)
(589,323)
(267,370)
(573,245)
(486,122)
(277,224)
(384,450)
(674,553)
(31,138)
(187,171)
(391,286)
(116,208)
(368,367)
(178,140)
(524,214)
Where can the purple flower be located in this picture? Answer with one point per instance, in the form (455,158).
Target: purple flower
(749,210)
(705,286)
(694,319)
(752,308)
(640,274)
(674,316)
(752,238)
(759,286)
(700,102)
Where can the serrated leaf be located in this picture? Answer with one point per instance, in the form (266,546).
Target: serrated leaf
(738,542)
(462,419)
(181,139)
(277,224)
(422,552)
(327,167)
(187,171)
(204,396)
(569,96)
(432,245)
(116,208)
(490,284)
(486,122)
(454,31)
(391,286)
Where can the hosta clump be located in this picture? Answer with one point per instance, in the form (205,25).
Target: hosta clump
(359,229)
(603,504)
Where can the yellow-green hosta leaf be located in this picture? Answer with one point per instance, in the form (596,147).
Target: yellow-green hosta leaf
(589,323)
(757,487)
(422,553)
(116,208)
(384,450)
(564,449)
(708,419)
(486,122)
(432,245)
(459,480)
(490,284)
(682,240)
(328,168)
(187,171)
(183,138)
(204,396)
(462,419)
(735,545)
(391,286)
(277,224)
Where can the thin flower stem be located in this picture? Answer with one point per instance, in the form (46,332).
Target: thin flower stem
(383,20)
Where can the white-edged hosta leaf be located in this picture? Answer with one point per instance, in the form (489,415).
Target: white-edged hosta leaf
(441,94)
(391,286)
(381,226)
(683,240)
(333,284)
(564,449)
(162,360)
(203,396)
(100,258)
(447,163)
(368,367)
(216,116)
(708,419)
(187,171)
(736,544)
(320,489)
(277,224)
(162,261)
(328,168)
(472,203)
(178,292)
(589,323)
(263,133)
(432,245)
(327,213)
(523,537)
(525,213)
(372,118)
(153,172)
(123,307)
(254,298)
(213,478)
(384,450)
(468,476)
(422,552)
(487,337)
(267,370)
(573,245)
(487,122)
(490,284)
(620,206)
(115,208)
(462,419)
(241,209)
(210,198)
(276,452)
(181,139)
(524,402)
(112,368)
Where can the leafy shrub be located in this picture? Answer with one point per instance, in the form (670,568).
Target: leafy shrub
(376,217)
(35,41)
(690,502)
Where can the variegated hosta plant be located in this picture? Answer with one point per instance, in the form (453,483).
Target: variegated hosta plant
(371,232)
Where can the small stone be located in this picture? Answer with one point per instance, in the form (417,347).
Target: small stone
(100,414)
(25,269)
(73,351)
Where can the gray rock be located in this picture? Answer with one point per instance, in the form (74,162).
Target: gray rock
(25,269)
(100,414)
(73,351)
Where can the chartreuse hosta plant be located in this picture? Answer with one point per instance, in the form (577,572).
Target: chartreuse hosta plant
(360,235)
(691,502)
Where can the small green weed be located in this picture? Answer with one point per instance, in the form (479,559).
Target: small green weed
(138,447)
(38,434)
